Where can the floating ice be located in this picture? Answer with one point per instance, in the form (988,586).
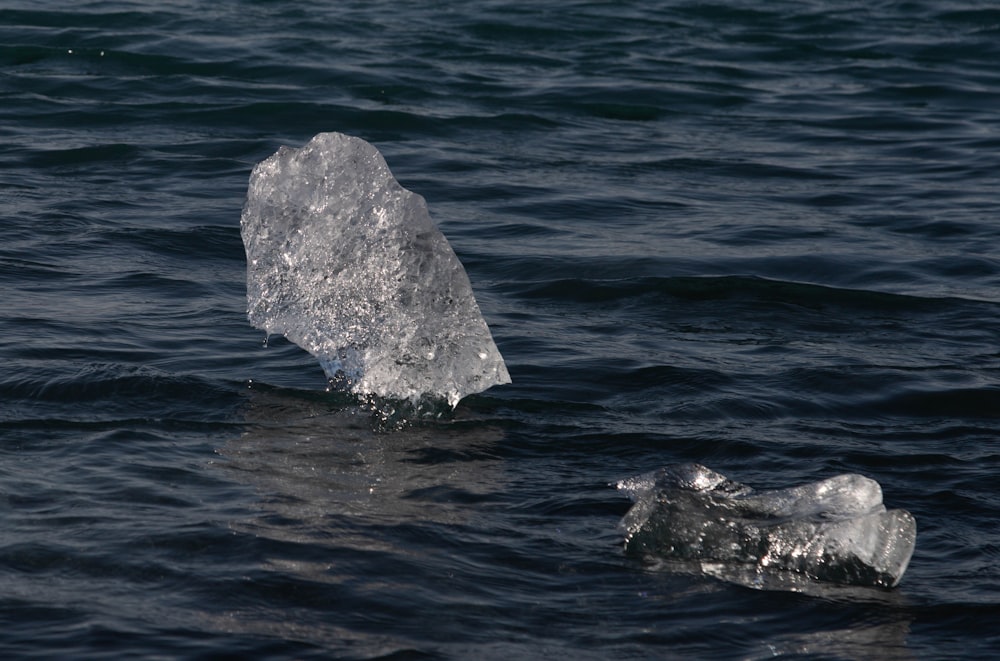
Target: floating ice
(834,530)
(348,264)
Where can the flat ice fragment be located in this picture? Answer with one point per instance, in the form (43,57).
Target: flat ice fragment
(835,530)
(346,263)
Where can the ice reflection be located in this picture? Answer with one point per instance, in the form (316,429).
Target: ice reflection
(315,461)
(358,524)
(821,620)
(883,641)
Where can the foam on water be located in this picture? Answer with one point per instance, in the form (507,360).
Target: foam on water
(346,263)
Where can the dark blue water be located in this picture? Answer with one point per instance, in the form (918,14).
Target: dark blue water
(758,236)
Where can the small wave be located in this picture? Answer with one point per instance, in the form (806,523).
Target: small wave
(709,288)
(949,403)
(100,391)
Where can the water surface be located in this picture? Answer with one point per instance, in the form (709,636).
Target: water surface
(760,238)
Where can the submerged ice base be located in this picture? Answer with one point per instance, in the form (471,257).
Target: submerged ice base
(348,264)
(836,530)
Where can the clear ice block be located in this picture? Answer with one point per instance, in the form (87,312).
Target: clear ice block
(835,530)
(346,263)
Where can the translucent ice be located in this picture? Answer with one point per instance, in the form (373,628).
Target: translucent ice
(834,530)
(348,264)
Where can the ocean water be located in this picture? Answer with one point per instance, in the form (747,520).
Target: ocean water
(758,236)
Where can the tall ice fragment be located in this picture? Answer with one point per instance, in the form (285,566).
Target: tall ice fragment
(836,530)
(346,263)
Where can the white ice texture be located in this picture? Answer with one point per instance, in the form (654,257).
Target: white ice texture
(835,530)
(346,263)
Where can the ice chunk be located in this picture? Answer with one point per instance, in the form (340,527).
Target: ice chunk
(346,263)
(833,530)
